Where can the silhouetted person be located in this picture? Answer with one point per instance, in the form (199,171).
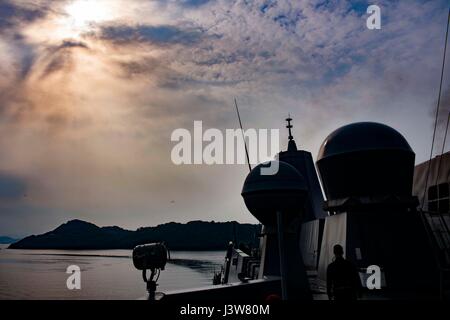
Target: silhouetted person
(343,283)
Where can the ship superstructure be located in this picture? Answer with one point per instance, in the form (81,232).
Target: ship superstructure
(367,206)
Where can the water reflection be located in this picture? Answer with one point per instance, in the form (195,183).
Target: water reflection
(198,265)
(106,274)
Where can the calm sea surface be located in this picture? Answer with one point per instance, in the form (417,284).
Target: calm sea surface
(105,274)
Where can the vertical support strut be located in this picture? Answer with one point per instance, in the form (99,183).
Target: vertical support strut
(282,255)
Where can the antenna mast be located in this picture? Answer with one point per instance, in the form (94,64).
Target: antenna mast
(243,138)
(437,111)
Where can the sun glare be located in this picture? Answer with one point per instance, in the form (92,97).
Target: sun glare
(81,13)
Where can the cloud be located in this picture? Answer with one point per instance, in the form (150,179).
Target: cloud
(60,57)
(13,15)
(195,3)
(29,95)
(156,35)
(11,187)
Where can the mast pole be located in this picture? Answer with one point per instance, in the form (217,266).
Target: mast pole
(243,138)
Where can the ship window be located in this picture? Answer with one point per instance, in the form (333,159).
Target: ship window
(439,198)
(443,190)
(432,193)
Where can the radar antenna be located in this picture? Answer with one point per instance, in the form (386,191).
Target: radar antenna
(292,146)
(289,126)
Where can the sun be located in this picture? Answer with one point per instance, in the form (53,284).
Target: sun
(82,13)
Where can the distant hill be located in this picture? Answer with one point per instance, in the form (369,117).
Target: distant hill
(6,240)
(194,235)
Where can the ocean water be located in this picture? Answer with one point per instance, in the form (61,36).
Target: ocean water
(105,274)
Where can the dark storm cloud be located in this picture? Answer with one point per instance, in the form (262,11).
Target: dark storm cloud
(158,35)
(11,187)
(12,14)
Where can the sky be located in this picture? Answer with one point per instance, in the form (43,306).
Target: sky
(90,92)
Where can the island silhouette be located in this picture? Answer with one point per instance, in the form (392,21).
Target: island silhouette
(194,235)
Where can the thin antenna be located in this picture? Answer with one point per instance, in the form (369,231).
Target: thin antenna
(437,110)
(442,151)
(243,138)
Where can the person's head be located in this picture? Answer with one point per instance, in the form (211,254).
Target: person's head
(338,251)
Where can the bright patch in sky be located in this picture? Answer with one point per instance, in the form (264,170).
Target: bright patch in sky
(82,13)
